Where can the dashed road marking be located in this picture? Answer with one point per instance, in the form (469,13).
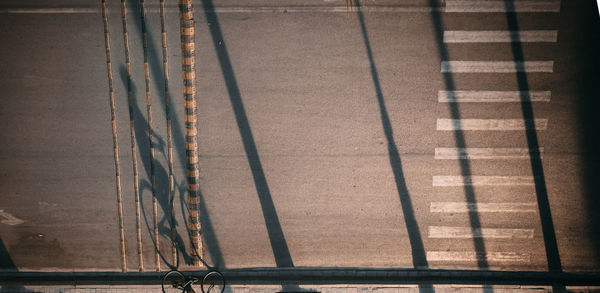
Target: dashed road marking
(546,36)
(485,153)
(466,207)
(468,232)
(476,180)
(500,6)
(492,96)
(491,124)
(468,256)
(496,66)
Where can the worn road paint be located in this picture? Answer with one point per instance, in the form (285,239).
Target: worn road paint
(465,207)
(532,36)
(491,124)
(483,181)
(493,96)
(497,66)
(469,232)
(485,153)
(471,256)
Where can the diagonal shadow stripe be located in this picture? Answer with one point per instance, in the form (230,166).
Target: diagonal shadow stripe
(414,234)
(276,236)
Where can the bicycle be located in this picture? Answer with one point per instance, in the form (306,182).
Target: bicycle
(174,281)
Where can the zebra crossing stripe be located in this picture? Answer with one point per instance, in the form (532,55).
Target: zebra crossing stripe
(478,180)
(500,6)
(493,96)
(471,256)
(468,232)
(495,207)
(531,36)
(497,66)
(485,153)
(491,124)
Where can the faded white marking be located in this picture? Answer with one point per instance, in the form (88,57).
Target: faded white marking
(9,219)
(491,124)
(485,153)
(468,232)
(483,180)
(501,6)
(546,36)
(492,96)
(496,66)
(468,256)
(50,10)
(465,207)
(233,9)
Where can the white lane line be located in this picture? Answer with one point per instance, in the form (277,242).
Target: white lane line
(501,6)
(476,180)
(496,66)
(470,256)
(492,96)
(466,256)
(499,207)
(485,153)
(49,11)
(491,124)
(256,9)
(468,232)
(547,36)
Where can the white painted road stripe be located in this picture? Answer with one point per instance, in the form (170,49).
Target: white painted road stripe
(548,36)
(499,207)
(470,256)
(496,66)
(477,180)
(49,11)
(485,153)
(255,9)
(468,232)
(492,96)
(500,6)
(491,124)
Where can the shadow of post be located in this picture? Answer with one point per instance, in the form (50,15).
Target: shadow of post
(459,137)
(419,257)
(276,236)
(535,159)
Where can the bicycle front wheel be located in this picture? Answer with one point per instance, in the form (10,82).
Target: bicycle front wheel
(172,282)
(213,282)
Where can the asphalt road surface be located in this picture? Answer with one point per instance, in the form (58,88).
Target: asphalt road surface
(456,134)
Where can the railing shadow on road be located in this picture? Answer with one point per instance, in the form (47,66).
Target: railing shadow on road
(208,233)
(587,38)
(459,136)
(283,258)
(419,257)
(552,255)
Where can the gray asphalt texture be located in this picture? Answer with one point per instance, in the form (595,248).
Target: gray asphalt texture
(317,132)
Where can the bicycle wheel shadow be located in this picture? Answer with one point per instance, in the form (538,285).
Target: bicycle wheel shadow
(162,178)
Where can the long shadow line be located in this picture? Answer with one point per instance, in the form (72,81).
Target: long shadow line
(208,232)
(459,137)
(279,246)
(552,254)
(419,257)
